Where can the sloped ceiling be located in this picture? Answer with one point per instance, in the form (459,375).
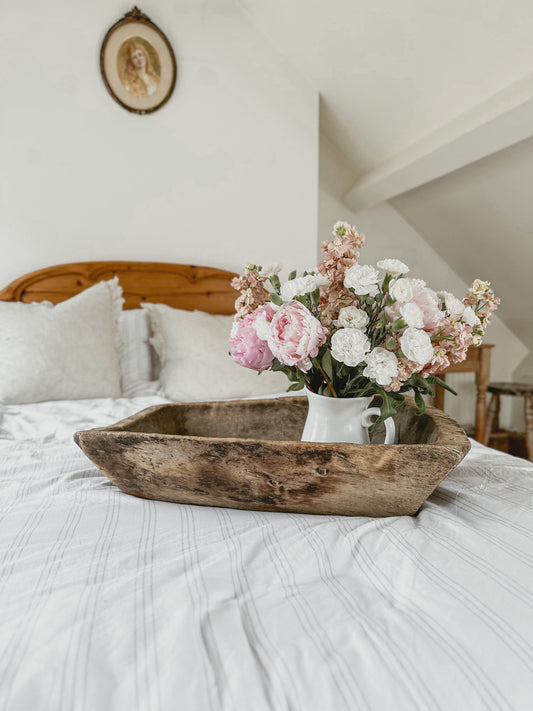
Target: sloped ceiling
(389,71)
(481,217)
(417,83)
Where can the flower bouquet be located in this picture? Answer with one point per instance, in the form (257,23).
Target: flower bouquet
(348,330)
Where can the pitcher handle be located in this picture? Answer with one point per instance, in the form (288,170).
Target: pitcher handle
(390,429)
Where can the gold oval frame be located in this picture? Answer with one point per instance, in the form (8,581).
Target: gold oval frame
(135,25)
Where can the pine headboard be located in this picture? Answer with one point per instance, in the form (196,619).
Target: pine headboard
(182,286)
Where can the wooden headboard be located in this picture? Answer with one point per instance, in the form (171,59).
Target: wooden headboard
(182,286)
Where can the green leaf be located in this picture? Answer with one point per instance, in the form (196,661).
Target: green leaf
(437,381)
(390,343)
(420,383)
(398,324)
(292,275)
(315,297)
(327,364)
(276,299)
(386,282)
(304,300)
(296,386)
(389,406)
(274,280)
(420,403)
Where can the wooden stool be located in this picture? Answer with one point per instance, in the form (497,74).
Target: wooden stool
(524,390)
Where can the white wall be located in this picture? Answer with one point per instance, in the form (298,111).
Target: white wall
(226,173)
(392,71)
(389,235)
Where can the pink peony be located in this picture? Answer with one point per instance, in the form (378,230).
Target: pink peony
(295,335)
(247,348)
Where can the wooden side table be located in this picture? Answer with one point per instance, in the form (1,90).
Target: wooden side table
(477,361)
(524,390)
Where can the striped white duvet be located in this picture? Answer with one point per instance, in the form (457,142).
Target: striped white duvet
(113,602)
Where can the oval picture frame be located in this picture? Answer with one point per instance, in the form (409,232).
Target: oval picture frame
(137,63)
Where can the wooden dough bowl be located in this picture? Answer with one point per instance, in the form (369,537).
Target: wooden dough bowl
(247,454)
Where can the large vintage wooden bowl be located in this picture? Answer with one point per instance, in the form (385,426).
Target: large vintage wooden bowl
(247,454)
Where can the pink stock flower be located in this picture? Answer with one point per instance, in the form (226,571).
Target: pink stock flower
(339,255)
(295,335)
(460,343)
(247,348)
(252,291)
(483,300)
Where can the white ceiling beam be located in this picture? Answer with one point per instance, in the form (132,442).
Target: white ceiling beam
(498,122)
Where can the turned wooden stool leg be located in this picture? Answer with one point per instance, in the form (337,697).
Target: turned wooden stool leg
(482,383)
(493,417)
(528,412)
(481,415)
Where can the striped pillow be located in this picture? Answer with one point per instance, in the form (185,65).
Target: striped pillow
(137,357)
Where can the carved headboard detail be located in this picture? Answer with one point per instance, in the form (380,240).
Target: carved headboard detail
(182,286)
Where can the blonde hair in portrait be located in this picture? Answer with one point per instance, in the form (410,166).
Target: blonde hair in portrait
(138,67)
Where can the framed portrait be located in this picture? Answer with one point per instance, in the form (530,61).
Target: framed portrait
(137,63)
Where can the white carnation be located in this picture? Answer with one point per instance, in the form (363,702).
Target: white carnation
(451,303)
(302,285)
(416,345)
(442,296)
(349,346)
(362,278)
(453,306)
(381,366)
(352,317)
(261,326)
(412,315)
(393,266)
(401,290)
(469,316)
(270,270)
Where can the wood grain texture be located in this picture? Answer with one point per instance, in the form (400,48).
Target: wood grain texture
(182,286)
(524,390)
(248,454)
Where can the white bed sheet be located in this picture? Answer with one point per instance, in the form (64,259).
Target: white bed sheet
(112,602)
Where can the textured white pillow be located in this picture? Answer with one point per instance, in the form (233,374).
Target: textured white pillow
(195,365)
(64,352)
(136,354)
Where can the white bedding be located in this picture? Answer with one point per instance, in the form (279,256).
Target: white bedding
(112,602)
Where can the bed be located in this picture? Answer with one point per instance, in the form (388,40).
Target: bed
(113,602)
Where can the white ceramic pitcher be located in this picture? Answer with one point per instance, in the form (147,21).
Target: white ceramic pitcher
(334,419)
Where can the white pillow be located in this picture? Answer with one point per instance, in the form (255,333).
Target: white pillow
(136,354)
(195,363)
(64,352)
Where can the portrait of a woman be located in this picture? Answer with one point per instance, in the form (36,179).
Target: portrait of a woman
(136,69)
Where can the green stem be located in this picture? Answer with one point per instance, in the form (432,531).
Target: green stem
(328,381)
